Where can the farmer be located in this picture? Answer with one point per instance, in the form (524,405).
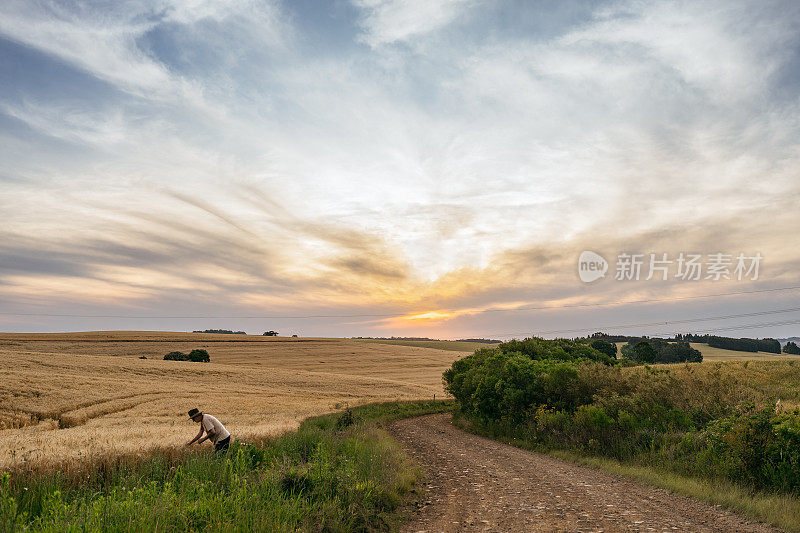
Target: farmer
(214,429)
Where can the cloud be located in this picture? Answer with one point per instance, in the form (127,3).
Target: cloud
(105,42)
(459,162)
(70,124)
(391,21)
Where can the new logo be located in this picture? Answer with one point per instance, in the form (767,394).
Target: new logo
(591,266)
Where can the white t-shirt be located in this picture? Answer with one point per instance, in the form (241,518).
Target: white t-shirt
(220,433)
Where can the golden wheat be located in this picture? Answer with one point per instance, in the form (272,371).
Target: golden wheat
(69,397)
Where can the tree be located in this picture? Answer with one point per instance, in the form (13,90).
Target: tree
(271,333)
(791,348)
(199,356)
(608,348)
(641,351)
(176,356)
(679,352)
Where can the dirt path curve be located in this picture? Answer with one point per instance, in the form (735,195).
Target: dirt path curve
(477,484)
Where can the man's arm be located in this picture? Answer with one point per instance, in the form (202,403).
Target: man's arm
(200,434)
(209,434)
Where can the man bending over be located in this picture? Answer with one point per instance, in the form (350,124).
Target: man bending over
(214,430)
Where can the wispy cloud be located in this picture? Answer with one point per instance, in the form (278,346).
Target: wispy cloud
(441,157)
(390,21)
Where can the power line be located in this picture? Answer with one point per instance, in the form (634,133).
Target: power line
(620,302)
(398,315)
(671,322)
(650,324)
(754,326)
(731,328)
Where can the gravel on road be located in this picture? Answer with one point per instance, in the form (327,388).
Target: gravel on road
(478,484)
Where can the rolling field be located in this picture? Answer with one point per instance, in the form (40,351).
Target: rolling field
(74,396)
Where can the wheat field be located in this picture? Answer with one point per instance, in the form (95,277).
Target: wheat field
(74,396)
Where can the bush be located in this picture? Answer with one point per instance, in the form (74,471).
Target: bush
(760,448)
(694,420)
(558,349)
(505,382)
(196,356)
(199,356)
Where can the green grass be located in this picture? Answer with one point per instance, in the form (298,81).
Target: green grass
(338,472)
(455,346)
(781,510)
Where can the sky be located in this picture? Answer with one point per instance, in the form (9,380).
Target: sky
(386,167)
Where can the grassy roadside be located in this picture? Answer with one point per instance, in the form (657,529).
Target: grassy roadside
(781,510)
(338,472)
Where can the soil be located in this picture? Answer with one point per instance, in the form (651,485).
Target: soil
(478,484)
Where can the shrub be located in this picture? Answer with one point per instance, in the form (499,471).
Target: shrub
(696,420)
(760,448)
(505,382)
(199,356)
(559,349)
(196,356)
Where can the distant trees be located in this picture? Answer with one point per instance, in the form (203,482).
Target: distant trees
(225,331)
(691,337)
(271,333)
(660,351)
(745,344)
(791,348)
(603,346)
(611,338)
(642,352)
(195,356)
(398,338)
(725,343)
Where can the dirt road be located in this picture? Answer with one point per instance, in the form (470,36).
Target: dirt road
(477,484)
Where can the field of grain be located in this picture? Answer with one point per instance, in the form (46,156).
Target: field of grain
(73,396)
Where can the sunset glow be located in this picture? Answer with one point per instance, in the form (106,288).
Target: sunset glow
(376,168)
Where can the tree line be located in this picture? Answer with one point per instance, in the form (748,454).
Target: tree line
(743,344)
